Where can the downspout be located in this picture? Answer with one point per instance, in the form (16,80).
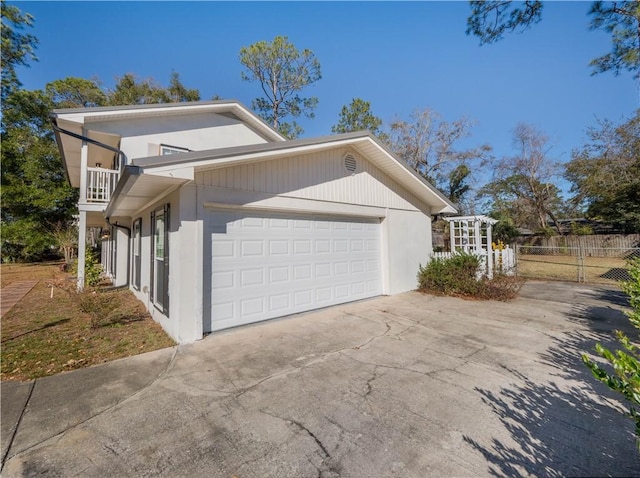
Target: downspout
(128,231)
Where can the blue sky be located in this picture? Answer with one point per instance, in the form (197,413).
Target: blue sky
(400,56)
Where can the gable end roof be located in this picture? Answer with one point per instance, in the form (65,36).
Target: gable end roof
(370,146)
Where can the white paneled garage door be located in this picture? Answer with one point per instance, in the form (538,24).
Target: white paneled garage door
(266,266)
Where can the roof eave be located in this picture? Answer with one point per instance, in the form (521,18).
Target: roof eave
(241,112)
(210,159)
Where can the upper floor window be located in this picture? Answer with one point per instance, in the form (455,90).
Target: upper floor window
(166,149)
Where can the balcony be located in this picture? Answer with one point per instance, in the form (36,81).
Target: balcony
(100,184)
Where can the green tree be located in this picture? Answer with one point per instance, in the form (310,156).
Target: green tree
(504,230)
(35,193)
(283,72)
(523,187)
(129,90)
(458,187)
(75,93)
(178,93)
(605,174)
(622,21)
(358,117)
(18,48)
(490,20)
(428,144)
(625,362)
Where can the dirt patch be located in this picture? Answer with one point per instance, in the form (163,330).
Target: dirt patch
(44,335)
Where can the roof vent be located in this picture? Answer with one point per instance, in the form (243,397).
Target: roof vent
(350,163)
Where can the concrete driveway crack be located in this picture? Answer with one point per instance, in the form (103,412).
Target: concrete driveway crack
(373,377)
(303,428)
(280,373)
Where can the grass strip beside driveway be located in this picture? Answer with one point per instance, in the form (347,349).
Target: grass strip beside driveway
(43,335)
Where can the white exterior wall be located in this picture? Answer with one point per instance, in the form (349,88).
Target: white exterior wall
(320,176)
(142,137)
(408,244)
(184,323)
(186,266)
(122,268)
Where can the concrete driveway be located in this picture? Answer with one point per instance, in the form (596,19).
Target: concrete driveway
(410,385)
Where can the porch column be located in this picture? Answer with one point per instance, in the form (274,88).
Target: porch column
(490,254)
(84,162)
(82,226)
(82,245)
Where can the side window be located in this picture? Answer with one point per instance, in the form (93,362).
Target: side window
(160,259)
(114,251)
(166,149)
(137,252)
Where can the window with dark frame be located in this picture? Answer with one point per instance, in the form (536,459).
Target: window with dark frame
(160,259)
(137,252)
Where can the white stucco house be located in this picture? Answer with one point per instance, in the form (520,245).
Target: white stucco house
(215,220)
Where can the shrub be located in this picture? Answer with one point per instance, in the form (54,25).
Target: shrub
(450,276)
(458,275)
(98,304)
(92,268)
(625,377)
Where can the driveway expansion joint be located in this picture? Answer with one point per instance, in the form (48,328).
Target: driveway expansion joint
(81,422)
(15,430)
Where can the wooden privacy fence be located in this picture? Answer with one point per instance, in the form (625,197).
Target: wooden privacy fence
(502,261)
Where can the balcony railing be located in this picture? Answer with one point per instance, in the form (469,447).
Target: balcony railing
(100,184)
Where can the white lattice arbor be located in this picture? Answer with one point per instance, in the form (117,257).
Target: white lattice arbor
(472,234)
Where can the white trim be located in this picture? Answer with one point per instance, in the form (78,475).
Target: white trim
(301,206)
(155,200)
(89,115)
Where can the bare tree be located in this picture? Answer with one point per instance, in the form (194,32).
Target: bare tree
(430,145)
(524,183)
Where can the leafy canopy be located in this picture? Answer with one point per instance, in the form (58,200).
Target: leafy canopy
(624,375)
(130,90)
(283,72)
(490,20)
(18,48)
(622,21)
(357,117)
(605,174)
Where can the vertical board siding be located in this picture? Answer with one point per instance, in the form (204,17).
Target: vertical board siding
(319,176)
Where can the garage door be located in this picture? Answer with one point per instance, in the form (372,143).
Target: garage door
(266,266)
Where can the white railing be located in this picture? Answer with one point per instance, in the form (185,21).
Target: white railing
(101,183)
